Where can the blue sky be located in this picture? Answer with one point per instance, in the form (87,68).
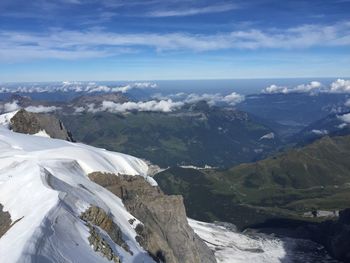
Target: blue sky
(42,40)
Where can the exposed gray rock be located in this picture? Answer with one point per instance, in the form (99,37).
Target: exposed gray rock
(98,217)
(165,232)
(31,123)
(100,245)
(5,221)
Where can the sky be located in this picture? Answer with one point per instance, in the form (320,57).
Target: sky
(43,40)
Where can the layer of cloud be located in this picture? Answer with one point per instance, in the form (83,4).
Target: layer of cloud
(320,132)
(345,118)
(212,99)
(68,86)
(10,106)
(303,88)
(92,43)
(148,106)
(342,125)
(193,11)
(338,86)
(42,109)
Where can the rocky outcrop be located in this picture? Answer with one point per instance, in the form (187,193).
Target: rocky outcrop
(32,123)
(165,232)
(5,221)
(100,245)
(334,235)
(96,216)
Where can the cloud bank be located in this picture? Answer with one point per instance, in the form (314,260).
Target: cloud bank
(303,88)
(10,106)
(96,43)
(162,103)
(150,106)
(212,99)
(13,106)
(42,109)
(345,118)
(193,10)
(338,86)
(66,86)
(320,132)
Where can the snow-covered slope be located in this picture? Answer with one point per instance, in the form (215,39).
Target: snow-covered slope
(45,188)
(234,247)
(230,246)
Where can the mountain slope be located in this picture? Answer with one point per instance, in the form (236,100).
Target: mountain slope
(197,135)
(332,125)
(288,185)
(293,111)
(57,213)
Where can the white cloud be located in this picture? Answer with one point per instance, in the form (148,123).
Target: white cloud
(303,88)
(152,105)
(233,98)
(340,86)
(41,109)
(212,99)
(275,89)
(136,85)
(180,96)
(308,87)
(342,125)
(92,43)
(193,11)
(347,103)
(345,118)
(91,108)
(75,86)
(320,132)
(79,109)
(11,106)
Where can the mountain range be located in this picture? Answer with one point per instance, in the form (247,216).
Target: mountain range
(291,184)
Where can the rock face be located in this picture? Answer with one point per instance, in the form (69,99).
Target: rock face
(5,221)
(99,244)
(32,123)
(98,217)
(334,235)
(165,232)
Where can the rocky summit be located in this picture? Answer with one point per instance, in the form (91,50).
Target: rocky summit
(32,123)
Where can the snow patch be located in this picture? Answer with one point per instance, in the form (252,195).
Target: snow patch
(5,119)
(42,133)
(268,136)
